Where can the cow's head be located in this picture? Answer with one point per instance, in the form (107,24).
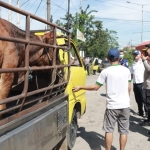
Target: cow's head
(48,37)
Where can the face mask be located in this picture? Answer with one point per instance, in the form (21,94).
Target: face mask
(121,56)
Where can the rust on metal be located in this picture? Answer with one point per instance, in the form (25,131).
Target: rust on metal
(16,105)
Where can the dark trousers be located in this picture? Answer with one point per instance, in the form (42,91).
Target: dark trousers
(94,72)
(87,69)
(138,92)
(147,102)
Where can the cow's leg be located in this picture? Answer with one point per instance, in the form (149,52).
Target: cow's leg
(5,85)
(10,60)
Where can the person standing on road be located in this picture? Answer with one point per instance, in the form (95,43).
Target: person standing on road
(118,80)
(137,74)
(146,62)
(122,60)
(87,63)
(95,65)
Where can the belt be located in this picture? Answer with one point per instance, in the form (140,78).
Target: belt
(138,83)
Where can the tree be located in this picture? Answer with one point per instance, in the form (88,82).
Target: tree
(98,40)
(128,54)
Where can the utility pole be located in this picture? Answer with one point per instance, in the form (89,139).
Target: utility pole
(68,14)
(131,44)
(142,26)
(18,15)
(80,5)
(48,13)
(10,12)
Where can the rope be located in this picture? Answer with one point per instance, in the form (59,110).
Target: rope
(50,84)
(37,83)
(48,55)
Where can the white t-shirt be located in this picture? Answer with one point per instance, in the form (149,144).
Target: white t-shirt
(116,78)
(137,70)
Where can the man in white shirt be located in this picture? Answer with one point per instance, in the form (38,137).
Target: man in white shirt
(118,80)
(137,74)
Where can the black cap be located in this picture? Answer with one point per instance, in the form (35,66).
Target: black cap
(148,45)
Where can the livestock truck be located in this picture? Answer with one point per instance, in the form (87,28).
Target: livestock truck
(41,111)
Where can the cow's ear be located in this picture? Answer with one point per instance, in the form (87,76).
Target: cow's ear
(44,38)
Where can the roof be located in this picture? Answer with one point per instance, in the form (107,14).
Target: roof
(142,45)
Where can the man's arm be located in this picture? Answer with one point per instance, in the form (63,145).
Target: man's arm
(146,65)
(94,87)
(131,70)
(129,87)
(100,81)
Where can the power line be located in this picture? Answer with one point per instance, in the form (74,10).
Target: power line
(74,6)
(121,6)
(58,7)
(24,3)
(31,5)
(120,19)
(38,7)
(116,14)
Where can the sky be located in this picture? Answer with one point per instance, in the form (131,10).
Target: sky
(119,15)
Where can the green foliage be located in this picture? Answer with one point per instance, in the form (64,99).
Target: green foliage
(129,56)
(98,40)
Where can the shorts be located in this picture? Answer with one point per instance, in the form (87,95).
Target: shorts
(121,116)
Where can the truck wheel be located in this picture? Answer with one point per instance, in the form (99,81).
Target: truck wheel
(72,131)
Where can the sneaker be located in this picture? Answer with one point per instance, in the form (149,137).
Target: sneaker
(148,132)
(141,114)
(146,114)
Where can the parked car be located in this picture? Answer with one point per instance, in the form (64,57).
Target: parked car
(103,65)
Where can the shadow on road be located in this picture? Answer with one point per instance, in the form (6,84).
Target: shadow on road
(103,95)
(135,125)
(94,139)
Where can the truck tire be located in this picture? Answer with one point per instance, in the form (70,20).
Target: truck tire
(72,131)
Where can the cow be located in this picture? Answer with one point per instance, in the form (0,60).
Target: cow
(12,55)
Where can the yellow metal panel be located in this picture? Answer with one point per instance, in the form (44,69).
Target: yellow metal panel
(39,33)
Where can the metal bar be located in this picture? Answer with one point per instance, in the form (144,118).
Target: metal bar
(11,99)
(27,114)
(9,109)
(44,89)
(47,95)
(25,94)
(35,68)
(11,39)
(25,89)
(14,98)
(27,103)
(3,4)
(54,75)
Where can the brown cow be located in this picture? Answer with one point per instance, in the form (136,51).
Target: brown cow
(12,55)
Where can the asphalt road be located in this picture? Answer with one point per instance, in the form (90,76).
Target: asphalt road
(90,134)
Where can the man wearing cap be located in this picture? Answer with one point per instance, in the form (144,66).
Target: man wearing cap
(122,60)
(117,80)
(146,62)
(137,74)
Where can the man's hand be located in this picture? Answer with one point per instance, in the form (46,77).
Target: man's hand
(76,88)
(144,57)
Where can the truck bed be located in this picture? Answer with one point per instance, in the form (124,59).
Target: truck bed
(39,130)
